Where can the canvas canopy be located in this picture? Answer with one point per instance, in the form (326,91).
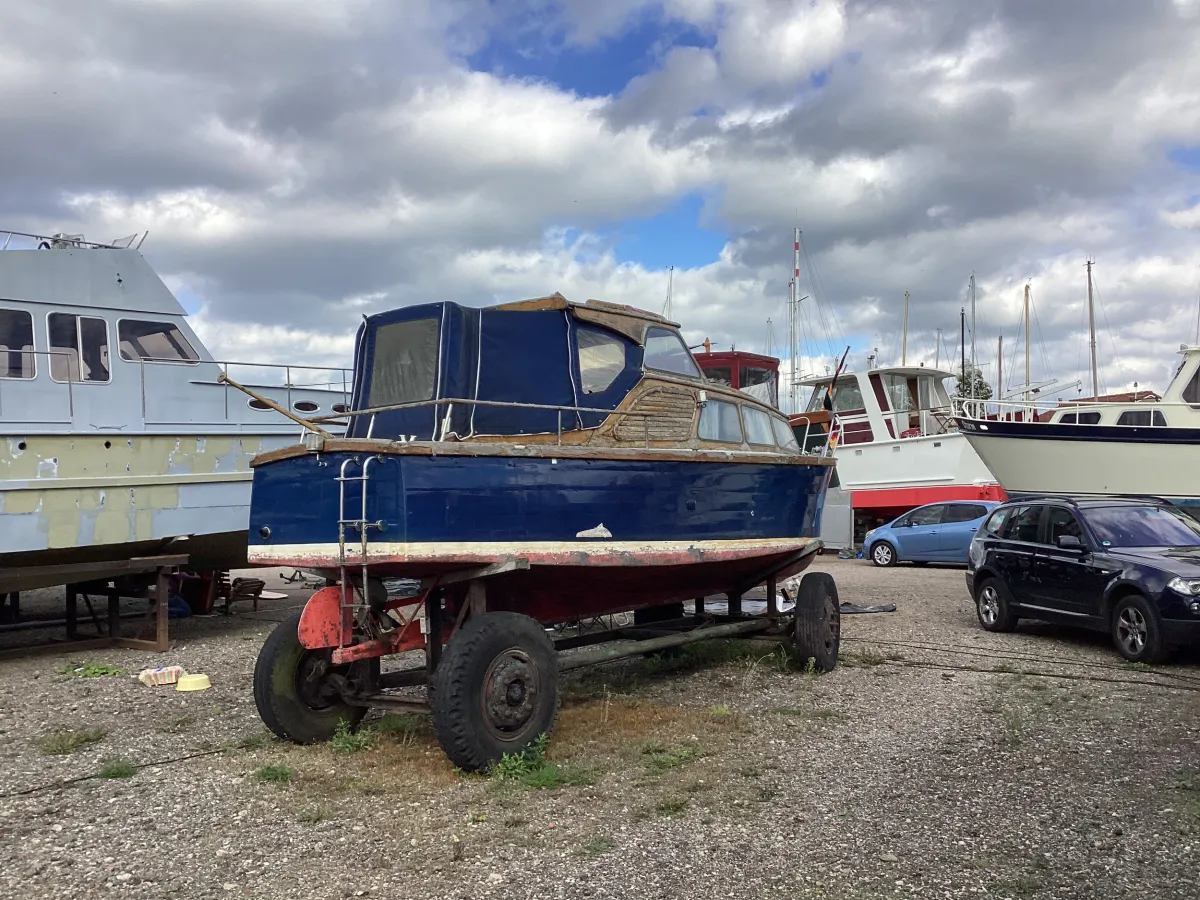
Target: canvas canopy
(543,356)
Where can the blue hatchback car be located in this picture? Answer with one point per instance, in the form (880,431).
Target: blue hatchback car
(937,532)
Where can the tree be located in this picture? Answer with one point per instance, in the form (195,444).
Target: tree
(973,385)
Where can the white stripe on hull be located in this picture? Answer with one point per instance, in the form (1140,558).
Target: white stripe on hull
(1045,465)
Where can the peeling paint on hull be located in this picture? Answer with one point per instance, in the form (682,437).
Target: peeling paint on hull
(107,491)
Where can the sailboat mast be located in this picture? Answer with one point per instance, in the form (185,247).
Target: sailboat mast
(962,341)
(1092,334)
(1000,369)
(904,337)
(938,361)
(1027,375)
(973,357)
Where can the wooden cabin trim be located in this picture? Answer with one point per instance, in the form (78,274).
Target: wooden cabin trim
(505,449)
(629,326)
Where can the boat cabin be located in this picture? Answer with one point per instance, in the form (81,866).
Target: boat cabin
(753,373)
(1179,406)
(547,370)
(883,404)
(92,340)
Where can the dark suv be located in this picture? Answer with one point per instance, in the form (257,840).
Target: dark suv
(1130,567)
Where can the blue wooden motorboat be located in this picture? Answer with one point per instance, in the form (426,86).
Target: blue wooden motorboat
(533,463)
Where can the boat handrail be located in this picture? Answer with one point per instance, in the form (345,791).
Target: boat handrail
(50,240)
(988,410)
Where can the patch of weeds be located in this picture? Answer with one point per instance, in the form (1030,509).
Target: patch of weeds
(117,768)
(697,787)
(346,740)
(401,727)
(720,711)
(1137,666)
(178,724)
(515,822)
(531,769)
(671,806)
(315,815)
(276,773)
(811,715)
(893,655)
(764,793)
(681,661)
(61,743)
(862,658)
(255,740)
(658,758)
(92,670)
(1013,719)
(597,846)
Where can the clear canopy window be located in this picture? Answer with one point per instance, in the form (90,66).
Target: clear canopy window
(846,396)
(153,342)
(758,426)
(666,352)
(79,347)
(719,422)
(601,359)
(404,362)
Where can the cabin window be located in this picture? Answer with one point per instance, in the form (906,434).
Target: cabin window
(16,344)
(666,352)
(758,426)
(1143,418)
(899,395)
(846,396)
(601,359)
(759,383)
(720,374)
(153,342)
(79,347)
(1191,393)
(1083,418)
(785,435)
(719,422)
(404,362)
(305,406)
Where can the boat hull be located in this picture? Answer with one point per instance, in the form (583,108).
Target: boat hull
(1041,458)
(617,533)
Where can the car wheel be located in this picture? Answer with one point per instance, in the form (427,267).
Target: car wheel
(882,554)
(992,606)
(1136,631)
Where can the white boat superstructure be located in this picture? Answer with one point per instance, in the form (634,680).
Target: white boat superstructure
(116,436)
(899,447)
(1080,448)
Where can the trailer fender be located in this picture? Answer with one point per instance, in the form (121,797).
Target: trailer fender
(321,622)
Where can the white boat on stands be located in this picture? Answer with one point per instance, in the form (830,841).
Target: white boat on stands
(1079,449)
(116,438)
(898,447)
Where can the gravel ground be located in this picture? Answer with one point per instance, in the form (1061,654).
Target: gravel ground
(936,761)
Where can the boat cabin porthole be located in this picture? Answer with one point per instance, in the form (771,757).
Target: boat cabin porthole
(257,404)
(305,406)
(340,408)
(108,445)
(21,446)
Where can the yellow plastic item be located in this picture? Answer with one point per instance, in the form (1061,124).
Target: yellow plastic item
(198,682)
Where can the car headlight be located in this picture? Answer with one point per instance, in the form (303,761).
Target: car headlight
(1184,586)
(869,533)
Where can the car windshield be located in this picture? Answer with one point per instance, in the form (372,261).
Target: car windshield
(1143,526)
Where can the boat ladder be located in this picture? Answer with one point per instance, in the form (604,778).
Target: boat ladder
(362,525)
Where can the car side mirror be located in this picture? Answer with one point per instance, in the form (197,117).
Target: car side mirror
(1070,542)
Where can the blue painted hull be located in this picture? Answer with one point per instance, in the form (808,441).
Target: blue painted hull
(502,499)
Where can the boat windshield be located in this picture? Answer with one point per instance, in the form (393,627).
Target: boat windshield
(1144,526)
(846,396)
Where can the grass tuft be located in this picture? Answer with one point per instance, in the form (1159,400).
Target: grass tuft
(117,768)
(315,815)
(91,670)
(597,846)
(346,740)
(531,769)
(62,743)
(276,773)
(658,758)
(671,806)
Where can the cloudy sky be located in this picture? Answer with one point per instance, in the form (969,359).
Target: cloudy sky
(301,162)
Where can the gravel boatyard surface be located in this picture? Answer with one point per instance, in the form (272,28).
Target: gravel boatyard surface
(936,761)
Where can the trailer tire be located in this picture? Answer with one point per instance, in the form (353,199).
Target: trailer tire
(295,707)
(817,616)
(495,689)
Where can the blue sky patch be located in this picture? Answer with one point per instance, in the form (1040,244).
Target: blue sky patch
(1185,157)
(600,70)
(674,237)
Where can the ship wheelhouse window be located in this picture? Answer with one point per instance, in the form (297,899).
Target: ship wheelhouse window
(785,435)
(404,362)
(846,396)
(1083,418)
(1143,418)
(16,344)
(666,352)
(601,359)
(154,342)
(1191,393)
(758,427)
(78,348)
(719,422)
(720,374)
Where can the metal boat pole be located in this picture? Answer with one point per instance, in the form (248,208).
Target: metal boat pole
(1092,333)
(1028,378)
(904,337)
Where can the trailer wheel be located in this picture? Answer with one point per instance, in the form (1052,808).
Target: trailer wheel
(817,633)
(296,690)
(495,689)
